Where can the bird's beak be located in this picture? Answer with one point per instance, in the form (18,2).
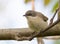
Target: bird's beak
(24,15)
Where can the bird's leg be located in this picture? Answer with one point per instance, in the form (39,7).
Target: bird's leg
(40,40)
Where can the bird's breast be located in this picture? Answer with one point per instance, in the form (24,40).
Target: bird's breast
(36,24)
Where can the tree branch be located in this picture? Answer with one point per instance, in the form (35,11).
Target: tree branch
(15,34)
(26,33)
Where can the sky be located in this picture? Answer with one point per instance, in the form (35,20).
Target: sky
(11,16)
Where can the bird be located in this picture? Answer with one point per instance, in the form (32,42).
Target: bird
(36,21)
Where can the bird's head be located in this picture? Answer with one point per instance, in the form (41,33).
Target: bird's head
(30,13)
(34,14)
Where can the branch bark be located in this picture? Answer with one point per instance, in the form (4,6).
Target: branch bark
(15,34)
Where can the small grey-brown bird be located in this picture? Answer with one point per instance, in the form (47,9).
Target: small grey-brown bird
(36,21)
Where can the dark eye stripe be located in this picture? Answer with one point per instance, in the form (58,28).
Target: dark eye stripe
(30,14)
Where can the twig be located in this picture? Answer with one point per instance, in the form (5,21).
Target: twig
(51,21)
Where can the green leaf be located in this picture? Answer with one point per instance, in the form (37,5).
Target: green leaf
(46,2)
(55,7)
(27,1)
